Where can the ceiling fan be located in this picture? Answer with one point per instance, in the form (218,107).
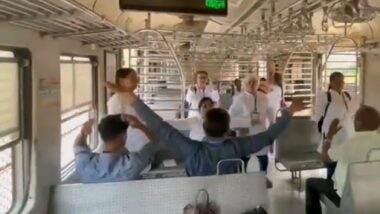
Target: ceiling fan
(351,11)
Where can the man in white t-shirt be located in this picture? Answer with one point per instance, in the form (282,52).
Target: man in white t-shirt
(367,122)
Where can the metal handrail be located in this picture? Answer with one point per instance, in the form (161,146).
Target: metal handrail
(172,51)
(230,160)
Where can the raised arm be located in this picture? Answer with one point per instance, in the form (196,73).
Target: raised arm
(136,123)
(253,144)
(82,153)
(163,131)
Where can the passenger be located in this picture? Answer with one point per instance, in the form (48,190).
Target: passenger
(194,124)
(253,104)
(115,163)
(275,97)
(201,158)
(198,90)
(128,79)
(264,86)
(335,103)
(367,122)
(237,89)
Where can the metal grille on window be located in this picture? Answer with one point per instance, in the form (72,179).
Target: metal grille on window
(343,58)
(9,126)
(76,104)
(298,79)
(160,78)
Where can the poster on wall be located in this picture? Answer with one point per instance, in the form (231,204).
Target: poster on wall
(48,92)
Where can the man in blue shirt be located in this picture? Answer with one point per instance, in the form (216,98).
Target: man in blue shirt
(115,163)
(201,158)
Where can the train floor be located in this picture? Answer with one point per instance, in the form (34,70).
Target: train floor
(285,197)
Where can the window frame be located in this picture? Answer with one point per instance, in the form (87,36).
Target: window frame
(359,68)
(21,146)
(117,66)
(67,170)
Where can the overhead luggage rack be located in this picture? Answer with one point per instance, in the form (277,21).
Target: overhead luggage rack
(64,18)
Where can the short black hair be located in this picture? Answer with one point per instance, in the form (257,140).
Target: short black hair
(111,126)
(122,73)
(217,122)
(370,116)
(336,75)
(203,100)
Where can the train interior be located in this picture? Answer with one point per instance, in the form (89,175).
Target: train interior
(57,55)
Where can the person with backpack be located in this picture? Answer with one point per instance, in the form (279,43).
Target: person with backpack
(331,104)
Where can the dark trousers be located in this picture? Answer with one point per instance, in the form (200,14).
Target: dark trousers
(315,187)
(263,162)
(330,169)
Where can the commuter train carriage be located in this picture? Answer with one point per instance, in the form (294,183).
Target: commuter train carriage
(57,55)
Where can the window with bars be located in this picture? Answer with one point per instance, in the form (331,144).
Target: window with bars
(160,80)
(12,125)
(348,64)
(9,125)
(77,105)
(299,80)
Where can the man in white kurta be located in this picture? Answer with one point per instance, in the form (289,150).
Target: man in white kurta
(253,104)
(199,90)
(195,94)
(341,107)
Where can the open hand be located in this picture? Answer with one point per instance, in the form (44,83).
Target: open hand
(333,129)
(133,121)
(128,96)
(297,105)
(87,127)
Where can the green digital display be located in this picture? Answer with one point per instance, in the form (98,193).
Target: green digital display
(216,4)
(206,7)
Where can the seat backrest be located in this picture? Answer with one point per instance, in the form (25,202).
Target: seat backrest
(361,193)
(233,193)
(300,137)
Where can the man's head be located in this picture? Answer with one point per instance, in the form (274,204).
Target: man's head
(205,105)
(113,131)
(127,78)
(201,79)
(216,122)
(367,119)
(337,81)
(251,84)
(237,83)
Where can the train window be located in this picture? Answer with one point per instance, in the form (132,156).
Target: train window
(77,102)
(346,63)
(160,80)
(262,69)
(11,131)
(299,81)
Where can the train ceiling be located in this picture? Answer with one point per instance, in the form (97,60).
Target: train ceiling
(101,22)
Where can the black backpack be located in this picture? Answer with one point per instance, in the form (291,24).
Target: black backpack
(320,122)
